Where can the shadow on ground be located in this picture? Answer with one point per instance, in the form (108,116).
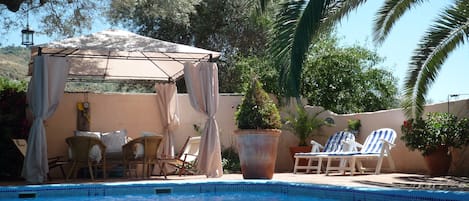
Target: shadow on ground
(449,183)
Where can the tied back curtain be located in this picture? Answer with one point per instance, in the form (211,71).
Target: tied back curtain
(44,92)
(202,86)
(168,107)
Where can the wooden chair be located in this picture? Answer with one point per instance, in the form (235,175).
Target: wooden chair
(186,160)
(142,150)
(54,162)
(81,150)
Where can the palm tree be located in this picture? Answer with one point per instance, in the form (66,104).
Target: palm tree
(446,33)
(297,25)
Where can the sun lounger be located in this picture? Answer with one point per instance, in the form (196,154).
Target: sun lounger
(333,145)
(377,146)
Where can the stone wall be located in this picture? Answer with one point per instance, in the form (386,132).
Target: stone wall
(138,112)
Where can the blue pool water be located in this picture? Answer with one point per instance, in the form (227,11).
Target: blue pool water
(212,190)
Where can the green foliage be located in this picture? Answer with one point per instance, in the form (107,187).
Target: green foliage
(354,124)
(230,161)
(162,19)
(9,85)
(261,67)
(347,79)
(218,25)
(438,129)
(302,124)
(128,86)
(296,27)
(13,108)
(257,110)
(211,24)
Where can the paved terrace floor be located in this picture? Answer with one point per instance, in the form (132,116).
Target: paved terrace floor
(385,180)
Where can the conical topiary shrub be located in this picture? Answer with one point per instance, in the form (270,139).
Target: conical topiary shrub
(257,110)
(258,121)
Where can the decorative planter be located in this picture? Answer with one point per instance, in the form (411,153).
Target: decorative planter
(439,161)
(257,152)
(300,149)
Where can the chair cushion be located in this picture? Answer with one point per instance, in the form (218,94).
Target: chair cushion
(95,153)
(95,134)
(139,150)
(147,133)
(114,140)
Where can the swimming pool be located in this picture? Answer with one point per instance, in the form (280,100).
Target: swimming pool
(219,190)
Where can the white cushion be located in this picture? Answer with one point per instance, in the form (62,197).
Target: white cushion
(95,134)
(95,153)
(114,140)
(147,133)
(139,150)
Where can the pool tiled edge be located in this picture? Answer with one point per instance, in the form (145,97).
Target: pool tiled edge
(281,187)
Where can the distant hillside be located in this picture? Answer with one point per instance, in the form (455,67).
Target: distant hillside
(14,62)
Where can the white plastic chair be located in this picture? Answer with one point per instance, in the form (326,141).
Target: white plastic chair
(377,146)
(333,145)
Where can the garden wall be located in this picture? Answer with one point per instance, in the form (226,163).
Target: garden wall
(138,112)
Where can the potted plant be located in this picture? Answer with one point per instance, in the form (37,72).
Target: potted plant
(302,124)
(258,122)
(353,126)
(435,137)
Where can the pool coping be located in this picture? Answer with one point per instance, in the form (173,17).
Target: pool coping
(210,186)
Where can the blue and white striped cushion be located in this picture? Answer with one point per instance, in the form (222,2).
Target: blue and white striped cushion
(373,144)
(334,143)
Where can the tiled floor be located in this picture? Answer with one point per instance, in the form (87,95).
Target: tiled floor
(396,180)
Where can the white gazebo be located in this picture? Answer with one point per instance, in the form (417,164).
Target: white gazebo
(121,55)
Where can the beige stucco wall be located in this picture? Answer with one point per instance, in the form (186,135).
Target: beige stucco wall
(139,112)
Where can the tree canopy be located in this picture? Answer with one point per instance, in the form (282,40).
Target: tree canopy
(347,79)
(343,79)
(59,18)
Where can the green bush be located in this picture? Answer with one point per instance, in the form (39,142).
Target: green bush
(230,161)
(13,124)
(257,110)
(302,124)
(13,108)
(426,135)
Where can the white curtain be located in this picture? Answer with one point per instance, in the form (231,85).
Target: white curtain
(168,107)
(44,92)
(202,86)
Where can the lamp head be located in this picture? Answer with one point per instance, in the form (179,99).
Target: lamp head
(27,36)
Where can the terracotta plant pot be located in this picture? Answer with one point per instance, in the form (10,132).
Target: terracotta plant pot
(438,162)
(300,149)
(257,152)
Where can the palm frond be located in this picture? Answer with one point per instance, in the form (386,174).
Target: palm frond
(449,31)
(263,4)
(297,24)
(284,31)
(388,14)
(339,9)
(308,27)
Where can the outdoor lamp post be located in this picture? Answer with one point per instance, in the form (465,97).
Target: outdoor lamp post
(27,36)
(454,96)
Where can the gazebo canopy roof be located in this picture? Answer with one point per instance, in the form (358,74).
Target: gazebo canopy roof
(122,55)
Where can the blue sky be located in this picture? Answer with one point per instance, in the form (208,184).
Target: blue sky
(402,40)
(397,49)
